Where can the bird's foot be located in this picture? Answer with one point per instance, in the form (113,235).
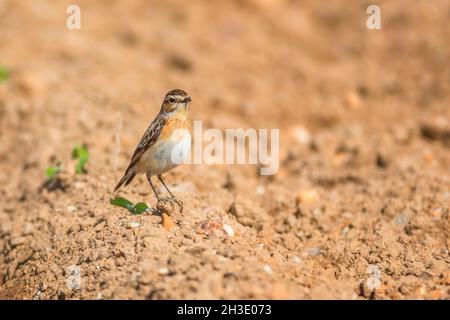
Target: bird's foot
(179,203)
(164,205)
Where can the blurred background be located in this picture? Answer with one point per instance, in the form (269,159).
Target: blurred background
(365,134)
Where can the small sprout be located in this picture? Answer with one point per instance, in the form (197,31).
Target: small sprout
(53,181)
(81,153)
(4,74)
(52,172)
(140,207)
(121,202)
(137,208)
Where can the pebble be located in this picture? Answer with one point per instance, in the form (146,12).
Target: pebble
(228,230)
(71,209)
(78,185)
(353,100)
(16,241)
(163,271)
(134,224)
(315,251)
(27,229)
(167,222)
(401,219)
(268,269)
(308,196)
(302,135)
(260,190)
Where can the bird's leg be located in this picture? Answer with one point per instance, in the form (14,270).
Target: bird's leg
(178,202)
(149,178)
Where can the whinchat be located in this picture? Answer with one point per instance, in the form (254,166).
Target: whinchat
(154,154)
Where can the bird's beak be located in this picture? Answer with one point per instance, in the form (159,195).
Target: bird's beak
(186,102)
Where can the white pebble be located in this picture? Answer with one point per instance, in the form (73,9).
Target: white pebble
(134,224)
(302,135)
(260,190)
(268,269)
(163,271)
(78,185)
(314,251)
(71,209)
(228,230)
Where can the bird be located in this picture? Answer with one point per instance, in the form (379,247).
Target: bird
(164,145)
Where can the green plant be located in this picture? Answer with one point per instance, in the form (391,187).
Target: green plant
(81,153)
(4,74)
(137,208)
(52,171)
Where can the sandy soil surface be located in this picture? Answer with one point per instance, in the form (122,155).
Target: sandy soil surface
(358,210)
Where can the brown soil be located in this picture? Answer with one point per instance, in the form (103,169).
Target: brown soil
(364,182)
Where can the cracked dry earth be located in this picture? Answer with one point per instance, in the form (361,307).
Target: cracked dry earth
(358,210)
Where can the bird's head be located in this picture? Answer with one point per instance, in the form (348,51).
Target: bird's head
(176,100)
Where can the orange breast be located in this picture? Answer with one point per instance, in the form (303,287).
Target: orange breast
(174,123)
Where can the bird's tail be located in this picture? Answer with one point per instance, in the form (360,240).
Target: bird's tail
(126,179)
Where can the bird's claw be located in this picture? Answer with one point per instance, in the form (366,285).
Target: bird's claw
(172,201)
(179,203)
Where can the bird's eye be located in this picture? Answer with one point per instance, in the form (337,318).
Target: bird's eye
(172,100)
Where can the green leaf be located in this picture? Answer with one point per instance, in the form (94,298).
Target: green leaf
(122,202)
(4,74)
(140,207)
(81,153)
(52,171)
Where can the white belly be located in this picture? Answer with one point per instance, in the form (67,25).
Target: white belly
(163,156)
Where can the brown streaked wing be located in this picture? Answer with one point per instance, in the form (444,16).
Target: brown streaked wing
(148,139)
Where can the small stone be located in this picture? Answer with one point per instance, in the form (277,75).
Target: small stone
(78,185)
(353,100)
(315,251)
(71,209)
(296,259)
(401,219)
(308,196)
(17,241)
(421,291)
(163,271)
(260,190)
(167,222)
(437,213)
(27,229)
(302,135)
(268,269)
(134,224)
(228,230)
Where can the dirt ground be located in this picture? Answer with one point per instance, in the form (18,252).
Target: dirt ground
(358,210)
